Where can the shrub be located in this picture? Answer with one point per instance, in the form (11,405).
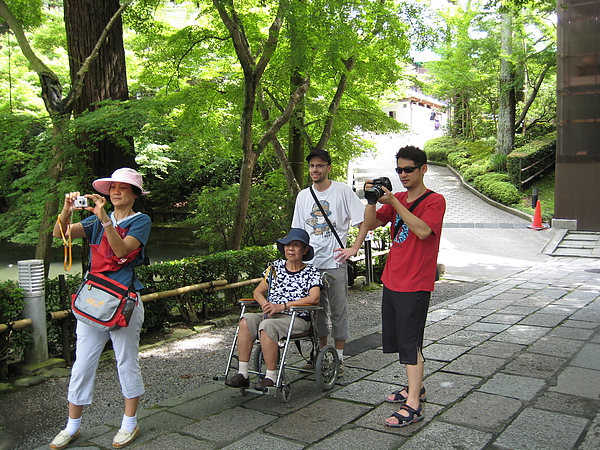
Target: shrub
(458,159)
(12,343)
(496,187)
(541,151)
(473,172)
(437,149)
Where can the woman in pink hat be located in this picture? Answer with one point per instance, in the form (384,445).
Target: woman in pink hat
(117,242)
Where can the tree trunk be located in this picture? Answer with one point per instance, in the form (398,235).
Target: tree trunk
(85,20)
(44,245)
(59,109)
(248,161)
(507,95)
(296,150)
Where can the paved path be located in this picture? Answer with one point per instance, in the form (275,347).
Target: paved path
(515,364)
(479,240)
(512,365)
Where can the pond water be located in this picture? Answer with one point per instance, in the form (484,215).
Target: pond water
(159,249)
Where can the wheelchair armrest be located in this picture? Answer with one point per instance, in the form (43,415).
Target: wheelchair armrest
(305,307)
(247,302)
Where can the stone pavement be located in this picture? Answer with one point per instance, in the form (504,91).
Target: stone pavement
(512,365)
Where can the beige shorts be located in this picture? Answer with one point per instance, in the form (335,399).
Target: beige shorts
(276,326)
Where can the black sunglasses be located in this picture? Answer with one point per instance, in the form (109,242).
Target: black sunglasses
(408,169)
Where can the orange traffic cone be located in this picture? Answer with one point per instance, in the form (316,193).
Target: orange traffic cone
(537,218)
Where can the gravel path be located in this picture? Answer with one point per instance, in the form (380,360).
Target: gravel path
(31,417)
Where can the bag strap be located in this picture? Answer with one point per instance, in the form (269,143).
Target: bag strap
(325,216)
(398,227)
(89,271)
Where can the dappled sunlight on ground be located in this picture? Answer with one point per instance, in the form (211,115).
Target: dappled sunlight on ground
(203,341)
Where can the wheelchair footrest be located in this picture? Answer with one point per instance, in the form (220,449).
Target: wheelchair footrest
(270,391)
(219,379)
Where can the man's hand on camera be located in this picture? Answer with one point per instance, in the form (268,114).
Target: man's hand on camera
(387,198)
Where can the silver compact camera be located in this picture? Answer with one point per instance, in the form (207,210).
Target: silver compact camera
(80,202)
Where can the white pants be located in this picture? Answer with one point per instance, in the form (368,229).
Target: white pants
(90,343)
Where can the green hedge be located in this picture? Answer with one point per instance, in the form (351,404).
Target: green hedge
(543,148)
(497,187)
(439,148)
(478,165)
(232,265)
(12,343)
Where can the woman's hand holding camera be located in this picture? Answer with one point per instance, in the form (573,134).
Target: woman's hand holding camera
(76,201)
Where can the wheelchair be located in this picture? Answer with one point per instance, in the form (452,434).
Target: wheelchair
(326,361)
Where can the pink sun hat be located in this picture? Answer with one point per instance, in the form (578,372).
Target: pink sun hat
(122,175)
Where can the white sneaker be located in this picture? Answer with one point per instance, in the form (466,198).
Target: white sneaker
(63,439)
(124,437)
(341,369)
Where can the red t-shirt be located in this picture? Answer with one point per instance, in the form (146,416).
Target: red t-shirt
(411,263)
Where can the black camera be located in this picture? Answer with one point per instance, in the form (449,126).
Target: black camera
(375,192)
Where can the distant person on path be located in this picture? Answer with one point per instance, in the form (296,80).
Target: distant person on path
(343,209)
(117,240)
(293,283)
(409,274)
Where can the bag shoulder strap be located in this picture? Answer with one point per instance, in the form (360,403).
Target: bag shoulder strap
(325,216)
(411,209)
(89,271)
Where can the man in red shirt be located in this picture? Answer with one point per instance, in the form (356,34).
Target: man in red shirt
(409,275)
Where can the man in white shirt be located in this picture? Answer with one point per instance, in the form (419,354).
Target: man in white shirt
(343,209)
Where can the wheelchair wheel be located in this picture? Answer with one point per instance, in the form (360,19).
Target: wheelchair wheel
(326,367)
(286,392)
(258,361)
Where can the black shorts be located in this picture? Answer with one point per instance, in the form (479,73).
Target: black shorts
(403,323)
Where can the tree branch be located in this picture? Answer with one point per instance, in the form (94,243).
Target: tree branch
(240,43)
(284,117)
(271,44)
(533,95)
(335,104)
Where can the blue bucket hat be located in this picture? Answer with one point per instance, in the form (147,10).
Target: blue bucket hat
(297,234)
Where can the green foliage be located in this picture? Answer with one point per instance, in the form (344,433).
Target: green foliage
(474,171)
(268,218)
(232,265)
(480,166)
(533,156)
(545,186)
(437,149)
(473,34)
(478,149)
(19,85)
(498,162)
(12,342)
(497,187)
(458,159)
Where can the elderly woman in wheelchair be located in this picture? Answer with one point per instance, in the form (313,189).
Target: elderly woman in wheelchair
(286,283)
